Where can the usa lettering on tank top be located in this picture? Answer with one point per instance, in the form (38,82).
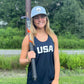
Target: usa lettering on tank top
(44,49)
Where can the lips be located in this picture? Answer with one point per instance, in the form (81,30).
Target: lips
(40,23)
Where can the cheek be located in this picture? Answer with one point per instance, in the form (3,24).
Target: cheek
(34,22)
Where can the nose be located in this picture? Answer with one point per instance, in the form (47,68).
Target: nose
(39,18)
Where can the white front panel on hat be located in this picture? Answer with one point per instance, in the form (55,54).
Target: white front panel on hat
(38,9)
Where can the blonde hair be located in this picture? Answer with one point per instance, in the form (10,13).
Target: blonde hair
(48,30)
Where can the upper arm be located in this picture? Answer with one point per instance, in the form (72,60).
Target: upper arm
(56,51)
(25,47)
(55,42)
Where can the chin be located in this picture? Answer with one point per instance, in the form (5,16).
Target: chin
(41,27)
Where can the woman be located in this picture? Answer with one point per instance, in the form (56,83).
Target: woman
(45,49)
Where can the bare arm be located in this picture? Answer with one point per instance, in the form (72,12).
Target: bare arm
(25,47)
(26,55)
(56,60)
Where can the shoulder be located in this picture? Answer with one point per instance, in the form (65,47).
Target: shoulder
(55,39)
(25,41)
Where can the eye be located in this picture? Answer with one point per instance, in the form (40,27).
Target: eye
(36,17)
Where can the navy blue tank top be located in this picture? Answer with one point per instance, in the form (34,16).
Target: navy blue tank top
(44,62)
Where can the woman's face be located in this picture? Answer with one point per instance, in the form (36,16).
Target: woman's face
(40,21)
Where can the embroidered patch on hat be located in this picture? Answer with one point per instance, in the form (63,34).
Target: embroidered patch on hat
(38,9)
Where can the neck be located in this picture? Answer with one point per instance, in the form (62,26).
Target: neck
(40,31)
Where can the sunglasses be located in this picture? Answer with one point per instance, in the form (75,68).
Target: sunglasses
(39,16)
